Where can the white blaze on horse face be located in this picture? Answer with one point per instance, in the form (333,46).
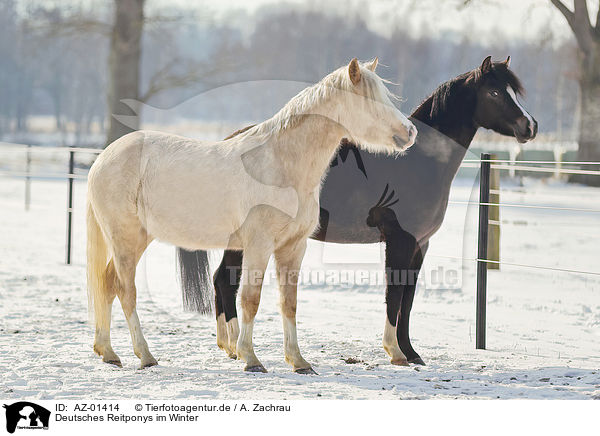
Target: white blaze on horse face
(526,114)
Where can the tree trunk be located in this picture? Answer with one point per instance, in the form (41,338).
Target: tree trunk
(589,128)
(124,66)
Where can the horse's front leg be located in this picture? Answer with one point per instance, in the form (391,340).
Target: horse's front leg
(256,258)
(399,249)
(289,259)
(407,302)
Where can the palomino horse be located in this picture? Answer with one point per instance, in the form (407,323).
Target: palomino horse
(257,192)
(447,121)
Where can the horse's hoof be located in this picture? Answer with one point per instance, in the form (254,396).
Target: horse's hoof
(230,354)
(400,362)
(255,368)
(149,363)
(306,371)
(114,362)
(417,361)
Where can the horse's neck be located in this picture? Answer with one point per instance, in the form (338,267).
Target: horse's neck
(306,149)
(460,136)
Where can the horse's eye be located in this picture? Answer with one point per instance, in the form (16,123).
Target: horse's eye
(494,93)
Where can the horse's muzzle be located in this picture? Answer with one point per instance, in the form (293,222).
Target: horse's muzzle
(412,136)
(525,129)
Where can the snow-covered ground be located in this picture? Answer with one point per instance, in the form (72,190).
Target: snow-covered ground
(543,326)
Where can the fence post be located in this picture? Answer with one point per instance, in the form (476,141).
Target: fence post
(28,178)
(484,199)
(513,153)
(70,205)
(494,222)
(558,158)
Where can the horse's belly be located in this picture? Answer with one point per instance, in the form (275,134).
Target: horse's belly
(199,230)
(212,216)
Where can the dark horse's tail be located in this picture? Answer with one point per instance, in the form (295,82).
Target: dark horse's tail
(196,285)
(194,273)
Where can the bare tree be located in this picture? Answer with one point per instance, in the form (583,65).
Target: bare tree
(124,65)
(588,42)
(126,87)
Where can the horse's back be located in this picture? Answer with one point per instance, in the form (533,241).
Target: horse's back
(130,160)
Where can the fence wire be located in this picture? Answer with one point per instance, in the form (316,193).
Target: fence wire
(467,163)
(524,265)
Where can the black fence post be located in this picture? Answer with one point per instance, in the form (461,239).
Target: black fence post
(482,245)
(70,205)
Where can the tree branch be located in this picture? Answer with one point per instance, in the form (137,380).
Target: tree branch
(165,78)
(72,26)
(579,22)
(568,14)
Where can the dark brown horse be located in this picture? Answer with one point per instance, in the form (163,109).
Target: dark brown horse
(350,212)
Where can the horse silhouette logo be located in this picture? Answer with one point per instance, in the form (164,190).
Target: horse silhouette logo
(28,415)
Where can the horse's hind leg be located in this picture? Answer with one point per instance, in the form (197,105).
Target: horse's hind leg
(103,308)
(407,302)
(226,281)
(126,256)
(220,315)
(289,259)
(399,250)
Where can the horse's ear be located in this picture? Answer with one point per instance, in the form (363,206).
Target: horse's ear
(486,65)
(507,62)
(373,64)
(354,71)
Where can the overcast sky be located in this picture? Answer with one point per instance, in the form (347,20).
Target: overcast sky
(527,19)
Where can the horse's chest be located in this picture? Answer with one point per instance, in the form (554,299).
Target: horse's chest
(419,208)
(303,223)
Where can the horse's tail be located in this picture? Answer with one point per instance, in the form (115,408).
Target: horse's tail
(195,280)
(97,266)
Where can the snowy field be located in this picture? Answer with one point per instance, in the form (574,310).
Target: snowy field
(543,326)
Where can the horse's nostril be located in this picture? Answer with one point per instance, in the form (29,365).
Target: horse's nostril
(398,141)
(526,127)
(412,132)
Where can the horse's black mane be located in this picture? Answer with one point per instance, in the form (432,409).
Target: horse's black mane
(434,109)
(501,72)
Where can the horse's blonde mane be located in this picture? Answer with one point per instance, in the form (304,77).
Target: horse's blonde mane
(311,97)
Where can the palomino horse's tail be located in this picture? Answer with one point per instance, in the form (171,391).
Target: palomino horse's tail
(195,279)
(97,262)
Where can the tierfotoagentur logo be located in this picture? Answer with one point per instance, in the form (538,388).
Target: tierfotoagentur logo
(26,415)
